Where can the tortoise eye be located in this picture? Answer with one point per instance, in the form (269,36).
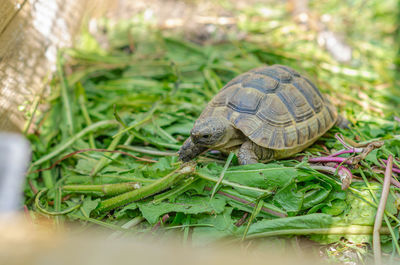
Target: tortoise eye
(206,136)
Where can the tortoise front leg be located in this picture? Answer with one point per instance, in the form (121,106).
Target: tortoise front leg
(246,154)
(251,153)
(189,150)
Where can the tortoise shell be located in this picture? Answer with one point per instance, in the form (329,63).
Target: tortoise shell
(275,107)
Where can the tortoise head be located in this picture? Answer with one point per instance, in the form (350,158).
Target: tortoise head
(209,131)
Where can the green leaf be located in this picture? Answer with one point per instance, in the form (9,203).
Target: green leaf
(85,165)
(316,195)
(88,205)
(372,157)
(216,227)
(184,204)
(310,221)
(163,164)
(361,212)
(336,207)
(262,175)
(125,210)
(182,128)
(289,198)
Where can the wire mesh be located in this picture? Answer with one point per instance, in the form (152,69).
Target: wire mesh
(31,31)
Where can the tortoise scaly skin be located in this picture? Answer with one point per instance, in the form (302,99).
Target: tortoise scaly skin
(264,114)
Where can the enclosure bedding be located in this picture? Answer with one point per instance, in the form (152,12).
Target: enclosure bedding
(105,152)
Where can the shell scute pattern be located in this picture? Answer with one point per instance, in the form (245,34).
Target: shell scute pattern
(247,123)
(264,84)
(275,107)
(237,80)
(274,112)
(221,99)
(245,100)
(296,103)
(290,70)
(274,72)
(313,99)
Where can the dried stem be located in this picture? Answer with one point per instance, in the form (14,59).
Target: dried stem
(242,220)
(380,211)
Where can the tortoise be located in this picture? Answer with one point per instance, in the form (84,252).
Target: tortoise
(267,113)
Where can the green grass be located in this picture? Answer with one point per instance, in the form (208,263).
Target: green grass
(144,102)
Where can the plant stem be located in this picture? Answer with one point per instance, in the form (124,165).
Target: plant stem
(344,174)
(147,118)
(103,160)
(174,191)
(250,204)
(64,94)
(85,113)
(254,213)
(221,176)
(35,104)
(104,189)
(98,222)
(385,215)
(329,159)
(57,203)
(345,230)
(155,187)
(380,212)
(126,178)
(394,162)
(61,147)
(347,151)
(48,178)
(147,151)
(135,221)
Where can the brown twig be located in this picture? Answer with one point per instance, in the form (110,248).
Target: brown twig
(33,188)
(242,220)
(94,150)
(380,211)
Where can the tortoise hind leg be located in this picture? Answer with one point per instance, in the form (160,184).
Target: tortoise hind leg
(251,153)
